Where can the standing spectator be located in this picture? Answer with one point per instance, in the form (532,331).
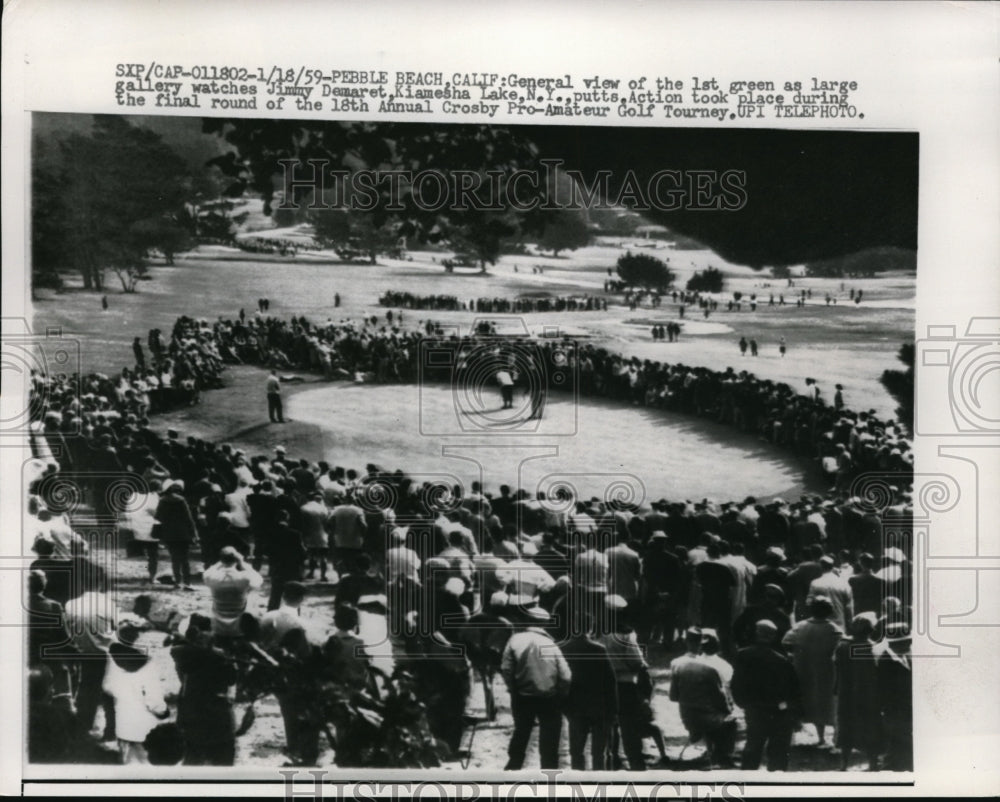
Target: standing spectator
(628,664)
(538,678)
(140,359)
(48,637)
(624,571)
(283,628)
(140,520)
(718,583)
(277,623)
(801,578)
(204,711)
(285,559)
(344,652)
(230,581)
(859,722)
(347,522)
(895,690)
(592,704)
(867,589)
(766,687)
(706,711)
(132,682)
(177,531)
(770,609)
(833,587)
(91,619)
(313,517)
(812,643)
(660,589)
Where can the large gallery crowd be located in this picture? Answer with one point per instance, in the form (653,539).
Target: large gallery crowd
(787,612)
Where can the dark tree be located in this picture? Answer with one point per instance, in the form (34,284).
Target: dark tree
(817,194)
(900,385)
(482,236)
(120,192)
(565,230)
(709,280)
(48,253)
(352,233)
(643,270)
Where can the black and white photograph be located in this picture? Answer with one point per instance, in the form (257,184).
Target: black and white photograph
(403,445)
(410,400)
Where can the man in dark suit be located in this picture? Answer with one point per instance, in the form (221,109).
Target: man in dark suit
(592,704)
(661,585)
(895,690)
(765,686)
(177,531)
(285,558)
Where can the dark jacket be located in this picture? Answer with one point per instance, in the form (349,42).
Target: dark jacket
(176,523)
(593,690)
(204,713)
(764,678)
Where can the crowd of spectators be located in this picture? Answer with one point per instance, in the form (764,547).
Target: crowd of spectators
(275,245)
(562,596)
(567,303)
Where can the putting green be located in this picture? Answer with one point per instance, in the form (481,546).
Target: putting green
(598,448)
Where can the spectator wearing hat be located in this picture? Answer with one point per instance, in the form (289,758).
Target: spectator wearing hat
(717,581)
(204,710)
(895,690)
(771,572)
(765,685)
(625,572)
(834,588)
(770,608)
(592,704)
(811,644)
(628,664)
(859,722)
(538,678)
(177,531)
(699,688)
(660,588)
(486,637)
(892,573)
(401,561)
(134,685)
(801,577)
(892,612)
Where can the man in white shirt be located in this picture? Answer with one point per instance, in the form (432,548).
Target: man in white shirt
(836,589)
(91,620)
(349,528)
(230,580)
(276,624)
(506,382)
(274,410)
